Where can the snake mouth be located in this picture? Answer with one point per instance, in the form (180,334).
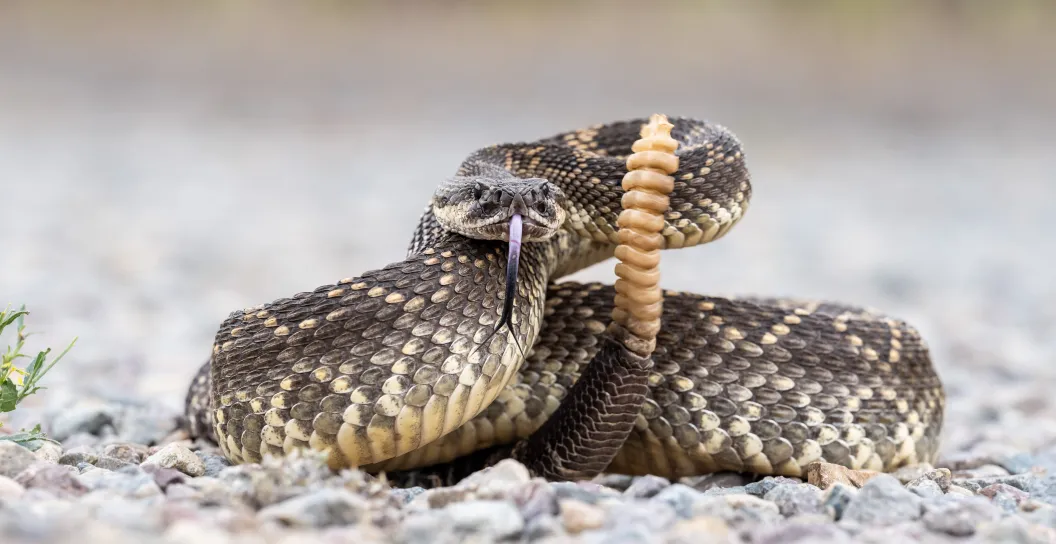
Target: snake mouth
(530,230)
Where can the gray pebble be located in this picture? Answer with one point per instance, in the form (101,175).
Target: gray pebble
(836,499)
(178,492)
(543,527)
(655,516)
(1005,496)
(984,471)
(14,458)
(49,451)
(75,458)
(925,488)
(213,463)
(504,475)
(1045,517)
(737,510)
(1021,462)
(716,480)
(619,482)
(85,417)
(179,457)
(131,453)
(644,487)
(680,498)
(498,519)
(909,473)
(112,463)
(1020,481)
(132,483)
(321,508)
(81,440)
(717,491)
(56,479)
(536,499)
(958,516)
(800,533)
(587,492)
(10,490)
(941,476)
(144,423)
(793,499)
(484,521)
(623,534)
(144,515)
(1041,488)
(762,487)
(883,501)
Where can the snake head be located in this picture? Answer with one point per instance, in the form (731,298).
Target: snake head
(480,203)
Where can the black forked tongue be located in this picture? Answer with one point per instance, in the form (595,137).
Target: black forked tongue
(513,260)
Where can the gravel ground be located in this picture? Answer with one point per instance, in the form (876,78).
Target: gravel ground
(159,177)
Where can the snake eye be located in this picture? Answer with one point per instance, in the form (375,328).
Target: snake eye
(540,207)
(478,192)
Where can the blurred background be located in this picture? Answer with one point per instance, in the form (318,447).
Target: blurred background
(162,164)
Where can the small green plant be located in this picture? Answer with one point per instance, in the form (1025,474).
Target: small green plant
(18,382)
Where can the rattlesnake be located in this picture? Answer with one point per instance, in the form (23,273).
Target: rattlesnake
(401,368)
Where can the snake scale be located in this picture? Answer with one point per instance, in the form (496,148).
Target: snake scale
(409,366)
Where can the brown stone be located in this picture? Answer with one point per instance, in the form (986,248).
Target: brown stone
(825,475)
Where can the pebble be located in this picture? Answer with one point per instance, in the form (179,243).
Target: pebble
(680,498)
(800,532)
(578,516)
(940,476)
(10,490)
(958,516)
(883,501)
(737,510)
(836,499)
(619,482)
(49,451)
(125,482)
(825,475)
(52,478)
(716,480)
(655,516)
(213,463)
(14,458)
(89,416)
(925,488)
(130,453)
(480,521)
(700,530)
(1019,481)
(795,499)
(76,458)
(1009,496)
(585,491)
(179,457)
(321,508)
(644,487)
(762,487)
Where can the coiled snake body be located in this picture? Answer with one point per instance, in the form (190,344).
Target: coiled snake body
(400,368)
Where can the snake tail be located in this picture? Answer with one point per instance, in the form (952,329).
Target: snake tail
(593,423)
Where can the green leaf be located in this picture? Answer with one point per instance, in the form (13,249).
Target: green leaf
(8,396)
(31,440)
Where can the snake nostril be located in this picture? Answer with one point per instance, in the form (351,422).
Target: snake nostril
(478,192)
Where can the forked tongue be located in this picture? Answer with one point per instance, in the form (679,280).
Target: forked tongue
(513,259)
